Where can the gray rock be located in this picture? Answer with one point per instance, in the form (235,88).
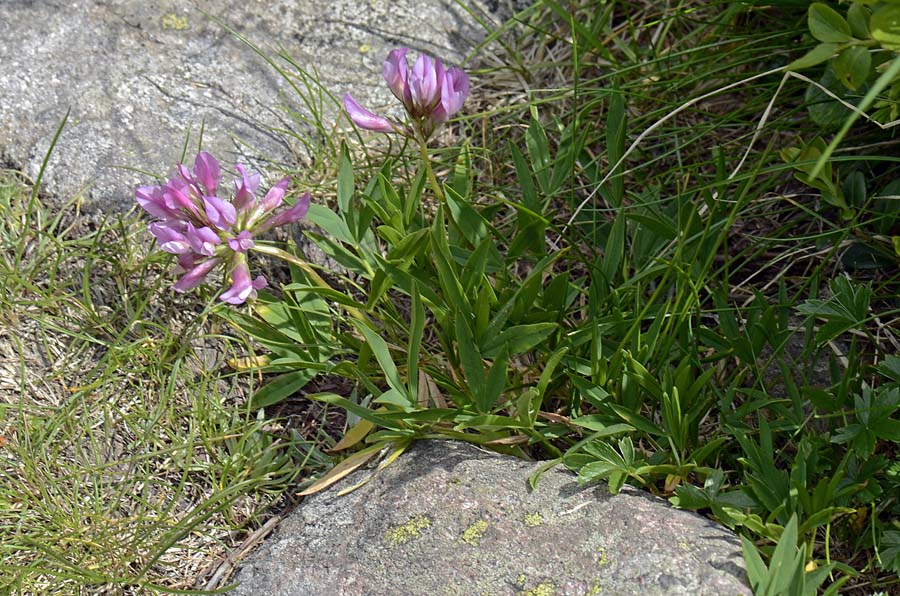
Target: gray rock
(140,75)
(448,518)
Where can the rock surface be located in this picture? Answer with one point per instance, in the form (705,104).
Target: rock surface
(448,518)
(140,75)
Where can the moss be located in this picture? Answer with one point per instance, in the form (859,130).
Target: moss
(533,520)
(474,533)
(175,22)
(408,531)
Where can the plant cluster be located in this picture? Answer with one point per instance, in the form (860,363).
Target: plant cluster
(661,251)
(590,320)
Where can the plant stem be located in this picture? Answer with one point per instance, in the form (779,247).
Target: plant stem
(429,171)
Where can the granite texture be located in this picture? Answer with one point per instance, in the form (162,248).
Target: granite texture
(449,518)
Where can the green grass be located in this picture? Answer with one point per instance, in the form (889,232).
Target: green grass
(630,274)
(127,460)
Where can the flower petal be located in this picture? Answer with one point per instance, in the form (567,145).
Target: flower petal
(152,200)
(363,118)
(242,242)
(220,214)
(206,172)
(203,240)
(194,275)
(177,195)
(454,91)
(241,286)
(275,195)
(427,77)
(245,188)
(288,216)
(396,73)
(170,240)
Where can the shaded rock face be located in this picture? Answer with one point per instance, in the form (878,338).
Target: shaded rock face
(140,75)
(448,518)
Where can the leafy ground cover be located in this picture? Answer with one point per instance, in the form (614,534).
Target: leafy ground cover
(643,251)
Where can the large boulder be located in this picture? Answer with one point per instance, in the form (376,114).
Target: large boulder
(449,518)
(140,76)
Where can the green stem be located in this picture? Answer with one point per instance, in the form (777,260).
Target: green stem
(429,171)
(311,273)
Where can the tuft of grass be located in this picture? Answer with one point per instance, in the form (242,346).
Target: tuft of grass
(128,460)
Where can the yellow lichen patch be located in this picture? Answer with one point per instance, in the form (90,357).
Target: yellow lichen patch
(534,519)
(474,533)
(596,590)
(520,581)
(542,589)
(602,559)
(175,22)
(408,531)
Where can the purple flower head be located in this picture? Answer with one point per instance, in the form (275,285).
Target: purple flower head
(206,230)
(430,94)
(453,93)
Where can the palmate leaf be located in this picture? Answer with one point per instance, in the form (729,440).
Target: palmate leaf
(889,551)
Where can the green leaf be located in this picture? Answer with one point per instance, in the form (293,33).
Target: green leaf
(615,249)
(756,568)
(462,174)
(616,122)
(858,19)
(495,383)
(518,339)
(383,355)
(469,356)
(885,25)
(345,185)
(539,151)
(594,423)
(472,224)
(280,388)
(416,332)
(356,409)
(526,182)
(853,66)
(446,269)
(825,24)
(817,55)
(323,217)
